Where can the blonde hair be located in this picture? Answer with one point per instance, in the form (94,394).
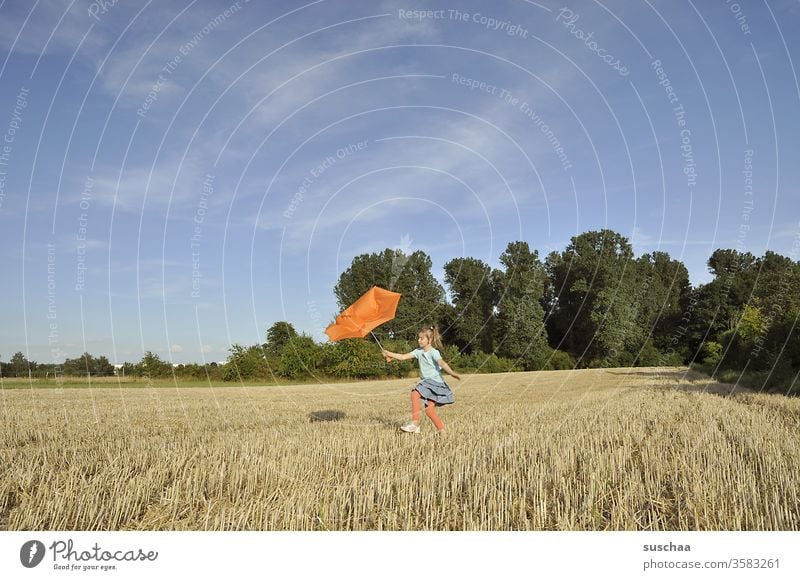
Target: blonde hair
(432,333)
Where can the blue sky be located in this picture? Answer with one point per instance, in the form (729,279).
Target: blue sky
(176,176)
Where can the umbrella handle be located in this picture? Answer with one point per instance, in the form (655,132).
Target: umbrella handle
(386,358)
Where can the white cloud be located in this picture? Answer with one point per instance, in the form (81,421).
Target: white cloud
(176,348)
(52,27)
(168,181)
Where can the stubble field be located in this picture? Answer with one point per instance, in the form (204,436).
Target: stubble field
(614,449)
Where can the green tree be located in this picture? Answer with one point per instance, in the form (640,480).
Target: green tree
(19,366)
(300,357)
(152,366)
(775,286)
(719,303)
(591,299)
(277,336)
(87,365)
(246,363)
(712,353)
(423,296)
(76,367)
(520,332)
(129,370)
(752,324)
(781,350)
(618,337)
(446,323)
(352,358)
(777,301)
(472,289)
(101,367)
(665,297)
(750,309)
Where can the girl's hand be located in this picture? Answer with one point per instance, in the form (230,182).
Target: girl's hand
(386,356)
(456,376)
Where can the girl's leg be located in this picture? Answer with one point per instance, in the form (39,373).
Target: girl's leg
(415,406)
(430,411)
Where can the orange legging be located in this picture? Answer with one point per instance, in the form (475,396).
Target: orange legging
(430,410)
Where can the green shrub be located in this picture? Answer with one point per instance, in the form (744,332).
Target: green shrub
(623,359)
(397,368)
(300,356)
(352,358)
(649,356)
(496,364)
(711,353)
(560,361)
(246,363)
(486,363)
(452,356)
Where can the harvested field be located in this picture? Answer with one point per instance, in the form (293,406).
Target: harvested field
(613,449)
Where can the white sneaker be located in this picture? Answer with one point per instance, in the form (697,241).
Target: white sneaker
(410,428)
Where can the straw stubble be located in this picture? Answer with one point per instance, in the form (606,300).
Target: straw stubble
(643,449)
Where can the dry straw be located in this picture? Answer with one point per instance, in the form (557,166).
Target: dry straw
(584,450)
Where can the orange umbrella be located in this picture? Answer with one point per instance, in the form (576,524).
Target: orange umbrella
(374,308)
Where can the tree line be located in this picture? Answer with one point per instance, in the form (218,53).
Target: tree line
(594,304)
(86,365)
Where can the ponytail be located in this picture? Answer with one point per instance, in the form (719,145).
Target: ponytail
(433,335)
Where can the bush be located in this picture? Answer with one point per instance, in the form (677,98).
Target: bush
(780,377)
(300,356)
(711,353)
(623,359)
(496,364)
(152,366)
(246,363)
(397,368)
(452,356)
(352,358)
(673,359)
(195,371)
(649,356)
(486,363)
(560,361)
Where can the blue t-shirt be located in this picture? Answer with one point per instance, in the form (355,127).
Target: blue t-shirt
(428,367)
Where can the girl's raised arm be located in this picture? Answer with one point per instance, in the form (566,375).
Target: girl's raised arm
(394,355)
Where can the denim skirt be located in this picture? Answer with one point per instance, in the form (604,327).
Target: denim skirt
(432,390)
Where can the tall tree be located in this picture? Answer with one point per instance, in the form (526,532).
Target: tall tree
(246,363)
(778,302)
(719,303)
(750,308)
(591,296)
(471,288)
(19,366)
(776,284)
(102,367)
(423,296)
(152,366)
(665,298)
(277,336)
(520,332)
(86,364)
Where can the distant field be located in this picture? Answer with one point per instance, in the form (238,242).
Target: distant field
(140,383)
(615,449)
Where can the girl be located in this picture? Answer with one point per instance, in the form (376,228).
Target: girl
(431,388)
